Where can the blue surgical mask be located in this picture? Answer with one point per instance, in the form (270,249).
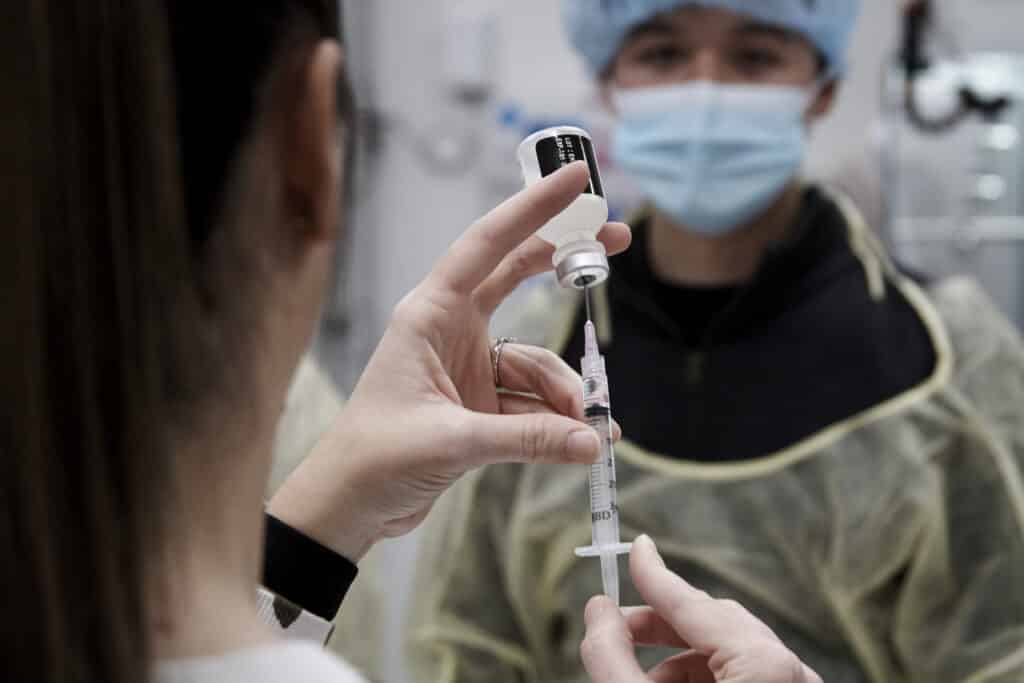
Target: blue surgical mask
(711,156)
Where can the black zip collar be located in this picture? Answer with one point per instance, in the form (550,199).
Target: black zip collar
(789,269)
(726,376)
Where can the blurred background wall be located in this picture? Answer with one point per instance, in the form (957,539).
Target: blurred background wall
(413,205)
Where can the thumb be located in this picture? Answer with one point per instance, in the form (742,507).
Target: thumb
(607,649)
(533,438)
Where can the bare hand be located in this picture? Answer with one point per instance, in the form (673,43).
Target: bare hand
(426,410)
(724,643)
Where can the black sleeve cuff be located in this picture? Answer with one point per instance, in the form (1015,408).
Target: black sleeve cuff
(304,572)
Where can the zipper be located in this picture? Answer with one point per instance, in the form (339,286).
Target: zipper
(695,375)
(695,361)
(695,364)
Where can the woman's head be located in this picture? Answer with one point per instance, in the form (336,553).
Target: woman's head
(172,185)
(260,109)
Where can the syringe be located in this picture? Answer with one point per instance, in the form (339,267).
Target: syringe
(581,262)
(604,513)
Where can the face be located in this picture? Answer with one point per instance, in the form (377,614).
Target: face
(696,43)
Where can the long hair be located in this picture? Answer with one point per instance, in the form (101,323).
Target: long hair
(111,190)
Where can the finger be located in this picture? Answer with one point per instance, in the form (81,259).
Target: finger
(524,404)
(810,676)
(520,404)
(645,560)
(715,628)
(533,438)
(478,252)
(533,370)
(607,650)
(648,628)
(688,667)
(541,373)
(698,619)
(533,257)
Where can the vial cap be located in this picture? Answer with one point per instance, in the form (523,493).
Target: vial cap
(583,269)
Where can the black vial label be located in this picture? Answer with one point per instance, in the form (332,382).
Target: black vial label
(561,150)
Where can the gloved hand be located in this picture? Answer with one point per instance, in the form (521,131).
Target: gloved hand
(725,643)
(426,410)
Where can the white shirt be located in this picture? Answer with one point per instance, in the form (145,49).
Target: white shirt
(285,662)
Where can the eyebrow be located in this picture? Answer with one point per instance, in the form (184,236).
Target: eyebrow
(658,26)
(761,29)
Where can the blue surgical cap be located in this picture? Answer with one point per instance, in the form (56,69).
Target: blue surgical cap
(597,28)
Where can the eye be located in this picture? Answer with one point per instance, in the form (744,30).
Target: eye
(754,59)
(663,57)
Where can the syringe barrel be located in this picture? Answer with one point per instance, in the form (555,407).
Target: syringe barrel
(604,510)
(600,496)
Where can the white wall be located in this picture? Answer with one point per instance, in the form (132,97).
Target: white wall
(844,132)
(420,211)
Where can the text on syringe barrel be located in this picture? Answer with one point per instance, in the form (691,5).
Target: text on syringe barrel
(602,473)
(601,506)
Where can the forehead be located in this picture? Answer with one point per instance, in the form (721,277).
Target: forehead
(717,23)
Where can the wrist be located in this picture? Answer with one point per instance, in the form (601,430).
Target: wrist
(336,529)
(321,500)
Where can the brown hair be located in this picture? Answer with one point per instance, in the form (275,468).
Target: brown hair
(112,191)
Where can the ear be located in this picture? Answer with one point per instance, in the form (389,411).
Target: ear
(311,146)
(824,102)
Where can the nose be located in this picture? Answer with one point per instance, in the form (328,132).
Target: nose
(707,66)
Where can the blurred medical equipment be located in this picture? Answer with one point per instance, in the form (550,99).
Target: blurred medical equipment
(953,161)
(449,142)
(581,262)
(470,59)
(450,145)
(966,97)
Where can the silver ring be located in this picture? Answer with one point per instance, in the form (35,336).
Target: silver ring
(496,350)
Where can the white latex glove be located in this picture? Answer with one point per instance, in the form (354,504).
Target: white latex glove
(426,410)
(725,643)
